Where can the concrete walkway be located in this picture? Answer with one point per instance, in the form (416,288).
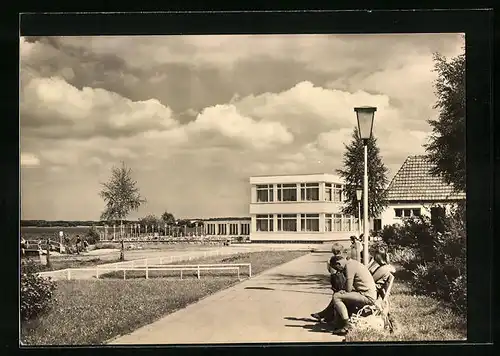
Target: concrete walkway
(274,306)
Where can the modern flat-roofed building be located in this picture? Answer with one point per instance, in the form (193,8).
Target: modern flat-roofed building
(293,208)
(227,226)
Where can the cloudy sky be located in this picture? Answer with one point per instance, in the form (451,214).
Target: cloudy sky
(195,116)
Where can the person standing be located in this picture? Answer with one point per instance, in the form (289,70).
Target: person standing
(360,290)
(355,249)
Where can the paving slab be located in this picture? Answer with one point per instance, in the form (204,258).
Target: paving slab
(272,307)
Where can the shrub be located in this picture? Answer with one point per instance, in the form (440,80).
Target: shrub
(36,292)
(407,257)
(92,236)
(458,295)
(390,235)
(107,246)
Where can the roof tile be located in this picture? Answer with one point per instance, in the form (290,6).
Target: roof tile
(414,182)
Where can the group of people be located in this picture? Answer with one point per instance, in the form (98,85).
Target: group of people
(353,284)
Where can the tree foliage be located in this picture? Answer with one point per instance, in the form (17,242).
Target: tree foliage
(446,149)
(353,172)
(150,220)
(168,218)
(120,194)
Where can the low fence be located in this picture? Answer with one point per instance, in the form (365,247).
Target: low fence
(90,272)
(100,271)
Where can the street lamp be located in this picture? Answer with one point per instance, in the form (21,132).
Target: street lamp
(365,116)
(359,195)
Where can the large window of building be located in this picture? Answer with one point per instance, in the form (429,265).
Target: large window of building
(333,222)
(265,223)
(245,229)
(222,229)
(210,229)
(339,222)
(287,222)
(264,193)
(287,192)
(309,222)
(347,224)
(233,229)
(328,222)
(407,213)
(333,192)
(309,191)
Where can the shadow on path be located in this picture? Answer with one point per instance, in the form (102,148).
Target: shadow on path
(317,281)
(313,326)
(260,288)
(288,290)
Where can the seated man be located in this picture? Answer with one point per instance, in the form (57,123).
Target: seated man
(337,281)
(360,289)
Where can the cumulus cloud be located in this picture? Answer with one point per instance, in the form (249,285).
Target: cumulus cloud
(57,108)
(228,122)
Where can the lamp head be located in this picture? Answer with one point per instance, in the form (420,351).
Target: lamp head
(365,115)
(359,194)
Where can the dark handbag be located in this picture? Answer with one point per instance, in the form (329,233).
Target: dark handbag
(338,281)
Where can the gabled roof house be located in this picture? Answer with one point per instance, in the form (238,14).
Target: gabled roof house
(414,191)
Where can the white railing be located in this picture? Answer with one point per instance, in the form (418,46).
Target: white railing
(160,260)
(100,270)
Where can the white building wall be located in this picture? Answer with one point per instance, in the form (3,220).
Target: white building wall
(299,178)
(257,236)
(274,208)
(310,207)
(389,217)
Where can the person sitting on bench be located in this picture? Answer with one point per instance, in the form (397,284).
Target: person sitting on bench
(380,268)
(337,281)
(360,290)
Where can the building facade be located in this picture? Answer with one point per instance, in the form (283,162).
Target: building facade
(233,226)
(414,191)
(293,208)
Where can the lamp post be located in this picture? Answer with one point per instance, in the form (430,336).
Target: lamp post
(359,195)
(365,116)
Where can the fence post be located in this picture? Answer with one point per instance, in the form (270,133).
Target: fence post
(97,272)
(124,273)
(181,273)
(198,271)
(147,272)
(249,270)
(239,274)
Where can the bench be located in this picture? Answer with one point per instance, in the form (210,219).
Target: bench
(382,294)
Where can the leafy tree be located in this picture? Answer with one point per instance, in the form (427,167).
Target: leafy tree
(168,218)
(353,173)
(120,194)
(149,220)
(446,149)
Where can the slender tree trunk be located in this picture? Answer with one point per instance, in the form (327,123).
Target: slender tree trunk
(48,254)
(122,247)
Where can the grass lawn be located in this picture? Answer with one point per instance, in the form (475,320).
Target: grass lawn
(75,262)
(418,318)
(93,311)
(260,262)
